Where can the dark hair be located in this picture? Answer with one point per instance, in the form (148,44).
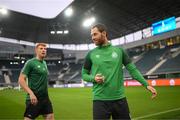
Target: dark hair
(100,27)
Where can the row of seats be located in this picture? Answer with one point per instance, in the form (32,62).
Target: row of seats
(71,72)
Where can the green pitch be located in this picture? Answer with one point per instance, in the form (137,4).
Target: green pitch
(76,103)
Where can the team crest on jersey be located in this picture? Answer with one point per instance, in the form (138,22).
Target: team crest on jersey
(114,55)
(97,56)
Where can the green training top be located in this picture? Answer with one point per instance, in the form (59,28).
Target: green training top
(108,60)
(36,71)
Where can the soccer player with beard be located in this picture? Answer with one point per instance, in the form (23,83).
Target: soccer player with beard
(103,67)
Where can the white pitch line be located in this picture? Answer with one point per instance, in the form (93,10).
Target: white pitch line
(145,116)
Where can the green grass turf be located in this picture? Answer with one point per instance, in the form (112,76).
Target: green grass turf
(76,103)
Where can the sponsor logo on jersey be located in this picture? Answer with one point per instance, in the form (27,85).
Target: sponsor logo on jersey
(114,55)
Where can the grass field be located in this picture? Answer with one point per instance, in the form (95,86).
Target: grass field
(76,103)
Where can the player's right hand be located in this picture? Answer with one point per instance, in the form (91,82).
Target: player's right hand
(33,99)
(99,78)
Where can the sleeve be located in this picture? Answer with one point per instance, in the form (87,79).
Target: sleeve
(86,69)
(46,67)
(26,69)
(134,72)
(126,59)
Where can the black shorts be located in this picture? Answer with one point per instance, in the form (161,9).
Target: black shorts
(117,109)
(43,107)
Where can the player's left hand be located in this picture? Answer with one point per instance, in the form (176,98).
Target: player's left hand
(33,99)
(153,91)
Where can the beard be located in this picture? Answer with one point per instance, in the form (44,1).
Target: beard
(100,41)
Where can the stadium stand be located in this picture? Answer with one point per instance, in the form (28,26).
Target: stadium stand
(1,80)
(65,71)
(171,65)
(149,59)
(152,57)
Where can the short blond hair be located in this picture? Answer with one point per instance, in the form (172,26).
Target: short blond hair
(40,44)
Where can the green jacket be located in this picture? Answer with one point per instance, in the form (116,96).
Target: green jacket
(108,60)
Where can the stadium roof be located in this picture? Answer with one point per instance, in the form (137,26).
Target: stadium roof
(39,8)
(121,17)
